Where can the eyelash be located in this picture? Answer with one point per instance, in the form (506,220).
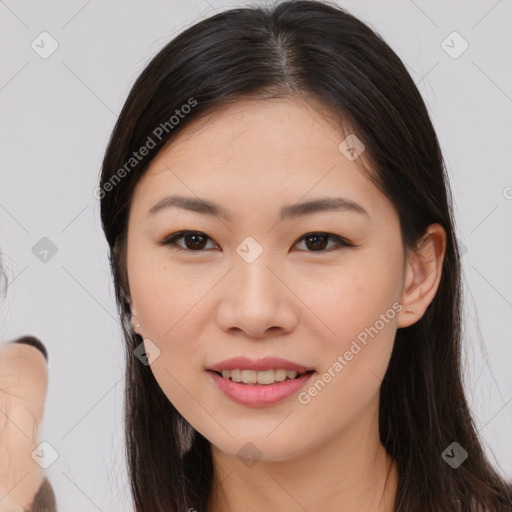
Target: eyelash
(171,240)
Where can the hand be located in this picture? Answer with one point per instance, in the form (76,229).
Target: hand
(23,388)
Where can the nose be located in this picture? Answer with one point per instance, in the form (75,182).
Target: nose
(257,301)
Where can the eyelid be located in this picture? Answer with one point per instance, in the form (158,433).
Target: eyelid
(170,240)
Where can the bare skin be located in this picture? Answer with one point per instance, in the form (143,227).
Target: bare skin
(200,307)
(23,388)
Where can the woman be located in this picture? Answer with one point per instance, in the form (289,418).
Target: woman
(287,276)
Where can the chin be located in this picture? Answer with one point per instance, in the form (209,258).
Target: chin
(259,447)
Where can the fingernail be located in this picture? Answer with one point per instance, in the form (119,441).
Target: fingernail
(35,342)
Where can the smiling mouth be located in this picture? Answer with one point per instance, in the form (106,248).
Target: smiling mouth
(266,377)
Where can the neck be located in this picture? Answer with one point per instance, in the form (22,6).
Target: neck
(351,471)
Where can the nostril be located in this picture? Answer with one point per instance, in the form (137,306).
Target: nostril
(35,342)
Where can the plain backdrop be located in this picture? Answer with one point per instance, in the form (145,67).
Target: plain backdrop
(56,115)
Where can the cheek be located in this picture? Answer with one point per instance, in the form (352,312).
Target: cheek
(351,375)
(166,295)
(360,309)
(344,301)
(170,308)
(171,316)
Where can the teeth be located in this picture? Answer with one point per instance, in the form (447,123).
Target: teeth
(259,377)
(279,375)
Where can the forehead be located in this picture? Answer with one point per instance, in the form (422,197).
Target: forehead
(257,127)
(254,151)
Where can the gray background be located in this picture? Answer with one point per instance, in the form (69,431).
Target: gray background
(56,116)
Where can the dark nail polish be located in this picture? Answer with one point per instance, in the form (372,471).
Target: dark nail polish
(35,342)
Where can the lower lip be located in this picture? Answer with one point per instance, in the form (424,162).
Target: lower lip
(260,395)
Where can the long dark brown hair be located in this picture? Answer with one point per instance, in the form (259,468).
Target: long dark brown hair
(318,50)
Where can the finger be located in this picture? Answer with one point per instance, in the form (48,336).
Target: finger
(4,412)
(23,386)
(19,473)
(24,376)
(34,342)
(9,504)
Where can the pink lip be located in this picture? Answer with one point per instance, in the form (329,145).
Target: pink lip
(259,395)
(267,363)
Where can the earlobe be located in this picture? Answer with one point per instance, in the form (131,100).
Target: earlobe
(422,275)
(136,324)
(135,319)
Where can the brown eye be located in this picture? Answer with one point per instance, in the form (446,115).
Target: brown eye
(318,242)
(194,241)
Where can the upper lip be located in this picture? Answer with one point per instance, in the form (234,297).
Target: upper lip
(266,363)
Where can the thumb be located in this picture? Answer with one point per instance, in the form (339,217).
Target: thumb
(34,342)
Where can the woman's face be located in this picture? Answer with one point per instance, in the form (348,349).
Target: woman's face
(250,284)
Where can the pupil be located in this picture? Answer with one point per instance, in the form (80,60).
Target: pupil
(195,245)
(316,237)
(200,241)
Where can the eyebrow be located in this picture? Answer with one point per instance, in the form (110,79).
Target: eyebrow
(203,206)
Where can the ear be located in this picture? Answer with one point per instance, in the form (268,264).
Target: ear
(422,275)
(135,319)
